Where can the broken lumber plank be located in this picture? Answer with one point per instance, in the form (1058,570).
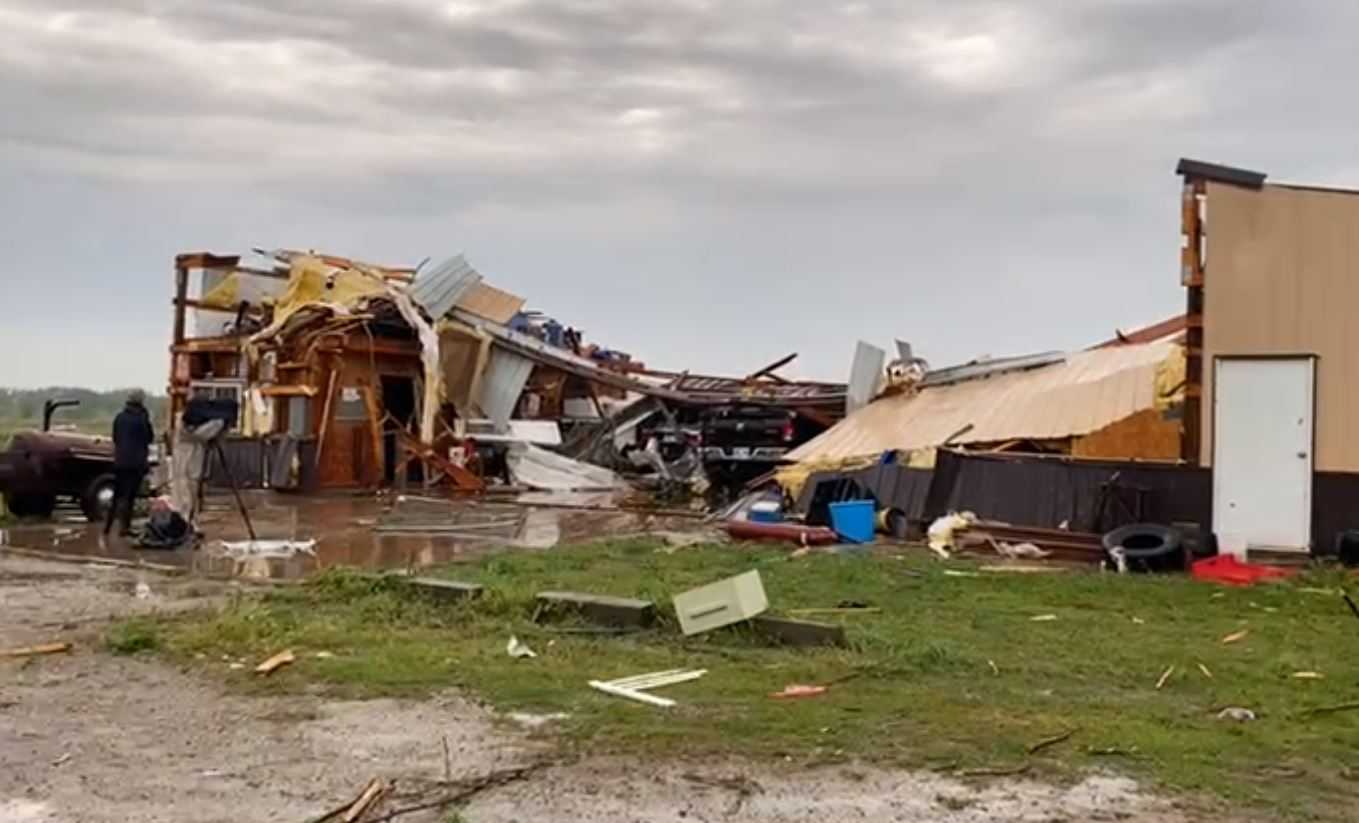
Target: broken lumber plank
(600,608)
(31,651)
(376,788)
(278,661)
(447,591)
(790,632)
(1051,741)
(91,560)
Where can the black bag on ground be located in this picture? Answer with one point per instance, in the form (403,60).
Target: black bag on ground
(166,529)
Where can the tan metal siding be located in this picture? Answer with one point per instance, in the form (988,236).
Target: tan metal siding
(1282,277)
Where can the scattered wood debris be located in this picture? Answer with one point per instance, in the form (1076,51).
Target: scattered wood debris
(1023,569)
(1051,741)
(994,668)
(1205,671)
(1236,713)
(462,791)
(1235,637)
(796,690)
(1165,676)
(1002,771)
(375,790)
(31,651)
(1043,618)
(1308,675)
(1339,707)
(1349,601)
(276,662)
(1112,751)
(847,610)
(742,785)
(634,688)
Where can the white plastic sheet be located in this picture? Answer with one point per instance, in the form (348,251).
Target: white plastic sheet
(541,469)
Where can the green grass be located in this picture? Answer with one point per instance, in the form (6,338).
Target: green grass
(133,636)
(924,692)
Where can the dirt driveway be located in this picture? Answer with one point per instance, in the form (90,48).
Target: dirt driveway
(88,737)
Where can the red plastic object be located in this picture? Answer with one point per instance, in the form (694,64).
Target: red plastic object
(783,532)
(1225,568)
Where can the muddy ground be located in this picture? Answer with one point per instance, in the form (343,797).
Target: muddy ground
(366,530)
(88,737)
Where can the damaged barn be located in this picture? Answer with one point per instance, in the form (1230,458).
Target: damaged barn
(350,375)
(342,374)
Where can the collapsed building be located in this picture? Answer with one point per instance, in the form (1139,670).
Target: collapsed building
(347,374)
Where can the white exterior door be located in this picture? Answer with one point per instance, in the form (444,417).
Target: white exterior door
(1262,453)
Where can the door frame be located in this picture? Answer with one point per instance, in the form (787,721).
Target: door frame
(1311,358)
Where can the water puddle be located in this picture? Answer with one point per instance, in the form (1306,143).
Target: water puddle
(362,531)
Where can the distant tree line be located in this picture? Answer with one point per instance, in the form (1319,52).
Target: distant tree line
(25,405)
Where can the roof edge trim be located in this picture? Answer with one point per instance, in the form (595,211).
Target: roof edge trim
(1219,173)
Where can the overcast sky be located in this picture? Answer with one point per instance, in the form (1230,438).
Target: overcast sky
(709,185)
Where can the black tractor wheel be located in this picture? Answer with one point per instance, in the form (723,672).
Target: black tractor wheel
(30,505)
(97,498)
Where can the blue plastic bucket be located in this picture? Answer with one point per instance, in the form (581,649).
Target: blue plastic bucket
(853,520)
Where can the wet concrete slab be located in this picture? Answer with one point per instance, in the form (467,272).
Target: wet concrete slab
(368,531)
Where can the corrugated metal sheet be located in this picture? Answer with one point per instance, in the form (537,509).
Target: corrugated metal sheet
(494,304)
(438,289)
(707,387)
(503,382)
(865,375)
(989,368)
(1087,392)
(541,352)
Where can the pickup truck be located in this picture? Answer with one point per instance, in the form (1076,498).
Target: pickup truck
(743,441)
(39,467)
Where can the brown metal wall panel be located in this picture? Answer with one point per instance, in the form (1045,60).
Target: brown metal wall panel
(245,458)
(1282,277)
(1040,491)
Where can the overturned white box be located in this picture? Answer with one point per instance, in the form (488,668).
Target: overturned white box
(722,603)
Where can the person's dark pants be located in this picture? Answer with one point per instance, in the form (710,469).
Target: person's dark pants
(127,482)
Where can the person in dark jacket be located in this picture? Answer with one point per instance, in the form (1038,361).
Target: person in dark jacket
(132,438)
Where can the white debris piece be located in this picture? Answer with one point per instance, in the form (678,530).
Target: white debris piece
(635,688)
(517,649)
(1018,550)
(534,721)
(268,548)
(942,531)
(541,469)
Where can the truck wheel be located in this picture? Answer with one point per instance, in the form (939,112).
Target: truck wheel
(98,498)
(30,505)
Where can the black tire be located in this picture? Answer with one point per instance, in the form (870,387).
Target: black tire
(30,505)
(1147,547)
(98,497)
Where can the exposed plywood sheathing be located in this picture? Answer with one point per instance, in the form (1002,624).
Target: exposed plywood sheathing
(1282,277)
(491,303)
(1147,435)
(1088,392)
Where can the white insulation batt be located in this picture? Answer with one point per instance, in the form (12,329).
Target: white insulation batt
(541,469)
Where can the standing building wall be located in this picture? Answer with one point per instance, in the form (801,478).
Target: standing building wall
(1281,277)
